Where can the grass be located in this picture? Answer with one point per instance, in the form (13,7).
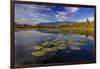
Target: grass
(86,28)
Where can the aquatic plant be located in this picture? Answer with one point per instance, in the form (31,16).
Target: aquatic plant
(55,49)
(74,48)
(69,39)
(45,43)
(80,43)
(37,47)
(38,53)
(52,49)
(70,42)
(60,41)
(61,47)
(48,49)
(56,44)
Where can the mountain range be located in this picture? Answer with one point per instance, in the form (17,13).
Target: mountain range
(55,23)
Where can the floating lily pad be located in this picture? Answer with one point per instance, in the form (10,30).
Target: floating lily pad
(74,48)
(70,42)
(45,43)
(55,49)
(37,47)
(38,53)
(56,44)
(79,43)
(60,42)
(61,47)
(48,49)
(69,39)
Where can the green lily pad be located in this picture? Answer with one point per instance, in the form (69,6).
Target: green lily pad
(70,42)
(48,49)
(74,48)
(61,47)
(56,44)
(60,42)
(69,39)
(45,43)
(37,47)
(79,43)
(53,49)
(38,53)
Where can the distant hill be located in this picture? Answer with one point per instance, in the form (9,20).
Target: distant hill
(55,23)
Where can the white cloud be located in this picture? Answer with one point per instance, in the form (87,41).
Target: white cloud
(67,14)
(91,18)
(31,13)
(61,16)
(39,13)
(84,20)
(72,9)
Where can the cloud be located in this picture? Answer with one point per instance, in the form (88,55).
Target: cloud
(61,16)
(72,9)
(67,14)
(91,18)
(85,19)
(32,14)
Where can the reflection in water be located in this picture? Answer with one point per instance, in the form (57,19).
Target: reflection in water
(52,47)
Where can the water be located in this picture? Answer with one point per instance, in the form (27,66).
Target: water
(25,40)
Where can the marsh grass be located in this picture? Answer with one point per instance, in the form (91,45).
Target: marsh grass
(86,28)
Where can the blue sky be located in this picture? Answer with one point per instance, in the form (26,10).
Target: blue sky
(34,14)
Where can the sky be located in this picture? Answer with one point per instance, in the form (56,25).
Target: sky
(33,14)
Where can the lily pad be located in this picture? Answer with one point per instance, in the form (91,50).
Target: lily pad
(74,48)
(60,42)
(37,47)
(38,53)
(61,47)
(70,42)
(48,49)
(45,43)
(69,39)
(79,43)
(53,49)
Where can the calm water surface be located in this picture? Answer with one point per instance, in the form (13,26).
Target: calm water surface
(25,40)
